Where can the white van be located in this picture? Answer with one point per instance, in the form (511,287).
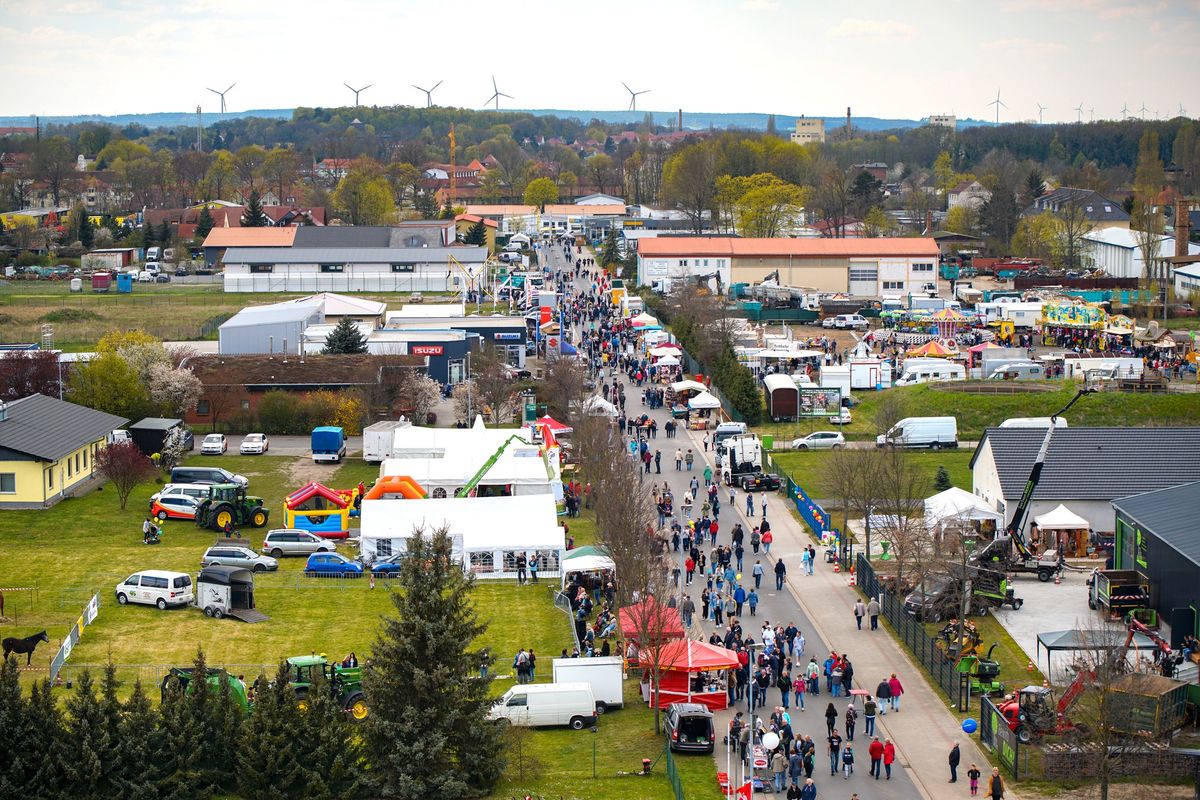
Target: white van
(932,432)
(941,370)
(156,587)
(533,705)
(857,321)
(602,673)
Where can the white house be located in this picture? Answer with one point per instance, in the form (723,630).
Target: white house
(1187,279)
(968,194)
(1085,469)
(1118,252)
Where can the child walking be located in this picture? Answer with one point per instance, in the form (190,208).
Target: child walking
(848,761)
(973,774)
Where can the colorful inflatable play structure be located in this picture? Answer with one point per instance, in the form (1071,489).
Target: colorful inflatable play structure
(320,510)
(390,486)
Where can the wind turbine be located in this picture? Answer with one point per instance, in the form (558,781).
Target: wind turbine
(428,93)
(633,96)
(1182,110)
(1041,108)
(356,91)
(1125,111)
(998,103)
(1092,114)
(1144,110)
(497,94)
(1079,111)
(222,96)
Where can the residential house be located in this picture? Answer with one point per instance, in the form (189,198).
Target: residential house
(333,168)
(48,449)
(1098,209)
(968,194)
(1086,469)
(464,222)
(876,169)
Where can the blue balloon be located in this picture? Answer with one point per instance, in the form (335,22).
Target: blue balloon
(970,726)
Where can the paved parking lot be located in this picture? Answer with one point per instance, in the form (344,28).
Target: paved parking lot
(1049,608)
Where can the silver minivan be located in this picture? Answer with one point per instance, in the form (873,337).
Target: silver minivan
(237,556)
(292,542)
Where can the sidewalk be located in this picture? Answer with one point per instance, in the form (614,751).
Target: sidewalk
(923,730)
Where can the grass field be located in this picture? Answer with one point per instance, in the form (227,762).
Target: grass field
(975,412)
(805,467)
(86,545)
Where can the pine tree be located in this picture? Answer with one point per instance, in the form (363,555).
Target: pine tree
(148,235)
(14,757)
(428,734)
(476,234)
(330,754)
(253,216)
(204,224)
(270,758)
(137,769)
(941,481)
(228,718)
(180,750)
(610,253)
(425,203)
(87,231)
(164,233)
(345,339)
(89,747)
(43,740)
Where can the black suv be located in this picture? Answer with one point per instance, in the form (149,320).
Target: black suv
(690,728)
(761,482)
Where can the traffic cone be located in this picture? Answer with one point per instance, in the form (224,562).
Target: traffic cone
(1030,667)
(837,566)
(1045,684)
(853,581)
(1057,578)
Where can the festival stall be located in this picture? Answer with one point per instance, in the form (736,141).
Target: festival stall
(934,348)
(691,672)
(955,509)
(586,560)
(1085,326)
(481,542)
(662,618)
(556,427)
(1070,531)
(413,441)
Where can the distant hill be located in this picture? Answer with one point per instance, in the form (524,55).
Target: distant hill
(691,120)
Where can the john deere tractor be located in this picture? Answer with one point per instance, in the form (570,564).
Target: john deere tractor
(343,683)
(228,504)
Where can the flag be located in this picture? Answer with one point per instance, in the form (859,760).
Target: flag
(746,791)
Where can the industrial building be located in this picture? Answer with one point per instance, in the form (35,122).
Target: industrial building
(809,129)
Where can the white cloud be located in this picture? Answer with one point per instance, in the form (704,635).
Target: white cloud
(759,5)
(856,28)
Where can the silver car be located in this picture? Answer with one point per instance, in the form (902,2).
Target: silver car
(291,542)
(237,556)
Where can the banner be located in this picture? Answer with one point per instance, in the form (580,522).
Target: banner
(819,402)
(90,612)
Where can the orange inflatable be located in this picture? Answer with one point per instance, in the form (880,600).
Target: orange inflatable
(402,485)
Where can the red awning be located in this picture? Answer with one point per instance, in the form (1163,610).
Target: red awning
(660,617)
(554,425)
(688,656)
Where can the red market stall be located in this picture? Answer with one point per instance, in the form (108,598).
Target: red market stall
(692,672)
(556,427)
(649,614)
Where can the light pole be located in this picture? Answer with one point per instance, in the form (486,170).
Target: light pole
(594,752)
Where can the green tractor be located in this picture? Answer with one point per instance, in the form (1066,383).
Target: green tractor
(345,683)
(228,505)
(182,677)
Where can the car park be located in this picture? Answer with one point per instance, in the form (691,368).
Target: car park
(293,542)
(214,444)
(237,556)
(173,506)
(820,440)
(254,444)
(690,728)
(761,482)
(155,587)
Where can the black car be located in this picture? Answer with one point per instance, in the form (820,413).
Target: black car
(690,728)
(761,482)
(181,272)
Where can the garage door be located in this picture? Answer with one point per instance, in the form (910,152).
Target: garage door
(864,280)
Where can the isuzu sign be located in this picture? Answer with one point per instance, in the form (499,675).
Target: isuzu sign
(507,337)
(426,350)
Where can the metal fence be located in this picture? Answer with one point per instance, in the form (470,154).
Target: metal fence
(816,517)
(673,774)
(934,659)
(997,737)
(563,604)
(86,617)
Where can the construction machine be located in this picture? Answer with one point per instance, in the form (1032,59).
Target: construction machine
(227,506)
(983,672)
(1034,712)
(471,484)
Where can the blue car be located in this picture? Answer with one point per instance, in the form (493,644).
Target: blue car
(320,564)
(386,569)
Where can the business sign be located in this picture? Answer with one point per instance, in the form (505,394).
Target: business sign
(819,402)
(507,337)
(426,349)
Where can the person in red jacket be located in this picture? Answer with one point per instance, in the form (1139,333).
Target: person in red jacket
(889,755)
(876,753)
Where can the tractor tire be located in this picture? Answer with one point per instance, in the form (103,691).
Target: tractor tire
(259,518)
(1024,735)
(221,516)
(356,706)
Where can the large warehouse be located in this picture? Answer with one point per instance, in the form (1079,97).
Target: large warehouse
(861,267)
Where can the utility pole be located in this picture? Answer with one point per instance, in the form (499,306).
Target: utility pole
(453,169)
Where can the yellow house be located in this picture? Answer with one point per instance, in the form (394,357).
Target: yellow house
(464,222)
(48,449)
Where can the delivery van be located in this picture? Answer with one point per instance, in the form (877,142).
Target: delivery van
(534,705)
(932,432)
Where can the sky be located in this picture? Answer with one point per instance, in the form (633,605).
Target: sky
(883,59)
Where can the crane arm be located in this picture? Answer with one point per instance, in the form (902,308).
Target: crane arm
(1074,691)
(466,490)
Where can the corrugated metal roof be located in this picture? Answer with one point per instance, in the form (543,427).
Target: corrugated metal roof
(691,246)
(353,255)
(309,237)
(1170,514)
(155,424)
(276,312)
(47,428)
(1094,463)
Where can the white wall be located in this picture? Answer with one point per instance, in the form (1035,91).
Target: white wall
(355,278)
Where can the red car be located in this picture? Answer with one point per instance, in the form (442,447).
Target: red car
(173,506)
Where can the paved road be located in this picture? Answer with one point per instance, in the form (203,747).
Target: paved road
(775,607)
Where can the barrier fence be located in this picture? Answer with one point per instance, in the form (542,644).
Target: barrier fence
(86,617)
(816,517)
(934,659)
(673,774)
(997,737)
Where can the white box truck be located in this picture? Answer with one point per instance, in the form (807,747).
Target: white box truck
(378,440)
(603,674)
(932,432)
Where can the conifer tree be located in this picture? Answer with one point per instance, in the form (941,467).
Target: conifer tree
(137,772)
(87,231)
(88,745)
(941,481)
(253,216)
(14,757)
(476,234)
(43,739)
(269,761)
(345,339)
(148,235)
(428,733)
(330,752)
(164,234)
(204,224)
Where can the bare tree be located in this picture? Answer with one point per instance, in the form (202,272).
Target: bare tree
(564,390)
(853,477)
(902,493)
(888,411)
(1075,226)
(494,387)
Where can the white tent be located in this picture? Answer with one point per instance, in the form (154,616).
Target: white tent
(688,386)
(1061,519)
(489,532)
(520,470)
(704,400)
(958,504)
(664,350)
(667,361)
(597,406)
(412,441)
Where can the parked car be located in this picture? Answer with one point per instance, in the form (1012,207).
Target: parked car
(761,482)
(173,506)
(181,272)
(206,475)
(821,440)
(690,728)
(338,564)
(162,277)
(237,556)
(291,542)
(828,322)
(841,418)
(254,444)
(199,491)
(156,587)
(214,444)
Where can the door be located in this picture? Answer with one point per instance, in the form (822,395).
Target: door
(455,375)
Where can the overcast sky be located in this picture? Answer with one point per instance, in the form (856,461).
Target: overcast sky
(885,59)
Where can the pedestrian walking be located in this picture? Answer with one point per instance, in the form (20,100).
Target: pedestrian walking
(764,505)
(870,707)
(996,785)
(835,748)
(779,765)
(752,599)
(806,562)
(889,755)
(883,692)
(798,690)
(687,610)
(658,462)
(873,612)
(875,751)
(678,460)
(757,571)
(767,539)
(955,755)
(689,459)
(897,690)
(973,775)
(809,790)
(831,715)
(847,762)
(755,540)
(780,574)
(851,721)
(708,475)
(750,509)
(860,611)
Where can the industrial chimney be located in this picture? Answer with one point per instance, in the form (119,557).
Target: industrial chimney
(679,121)
(849,130)
(1183,227)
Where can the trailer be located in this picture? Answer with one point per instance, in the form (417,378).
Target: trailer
(379,440)
(1117,591)
(602,673)
(150,434)
(227,592)
(783,397)
(1147,706)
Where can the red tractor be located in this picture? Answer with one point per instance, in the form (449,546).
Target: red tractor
(1033,712)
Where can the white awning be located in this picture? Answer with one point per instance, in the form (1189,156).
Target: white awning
(1061,519)
(688,386)
(957,503)
(704,400)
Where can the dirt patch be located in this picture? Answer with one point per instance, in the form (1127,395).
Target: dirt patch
(304,470)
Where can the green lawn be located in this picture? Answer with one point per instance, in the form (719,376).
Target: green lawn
(975,412)
(805,467)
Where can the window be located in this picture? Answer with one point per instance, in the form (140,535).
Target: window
(245,405)
(547,560)
(183,581)
(893,285)
(439,493)
(258,268)
(77,462)
(922,267)
(383,548)
(482,562)
(8,483)
(863,274)
(510,560)
(403,267)
(333,268)
(69,471)
(132,580)
(50,478)
(518,700)
(202,407)
(683,262)
(85,458)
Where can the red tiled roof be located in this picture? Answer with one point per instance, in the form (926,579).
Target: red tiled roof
(473,218)
(250,237)
(690,246)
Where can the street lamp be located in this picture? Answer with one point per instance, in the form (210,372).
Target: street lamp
(594,729)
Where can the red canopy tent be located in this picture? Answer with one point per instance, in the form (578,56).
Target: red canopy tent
(681,662)
(558,428)
(649,614)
